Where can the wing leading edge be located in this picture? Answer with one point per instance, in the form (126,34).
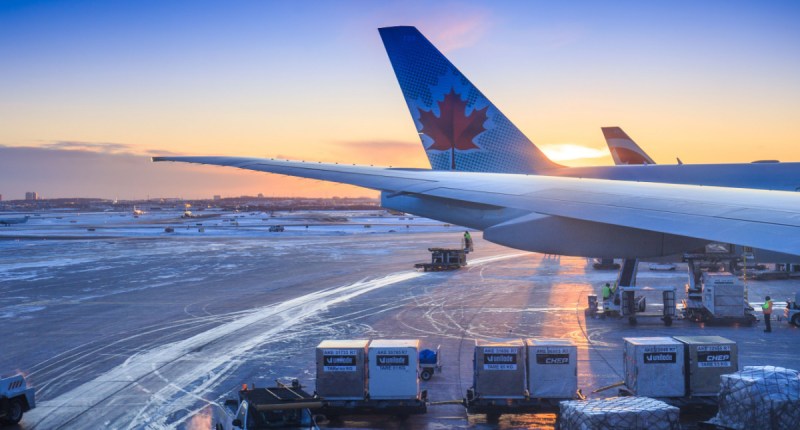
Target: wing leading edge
(523,204)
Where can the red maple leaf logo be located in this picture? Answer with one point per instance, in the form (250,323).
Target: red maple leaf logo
(453,129)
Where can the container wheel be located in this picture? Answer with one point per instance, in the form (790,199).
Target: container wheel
(632,320)
(13,412)
(426,375)
(796,320)
(668,321)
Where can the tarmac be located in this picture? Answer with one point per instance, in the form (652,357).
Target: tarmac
(144,330)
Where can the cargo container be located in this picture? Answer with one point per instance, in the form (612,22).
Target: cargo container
(393,369)
(654,366)
(552,368)
(706,359)
(723,295)
(341,369)
(499,369)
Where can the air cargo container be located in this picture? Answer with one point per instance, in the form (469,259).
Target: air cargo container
(499,370)
(341,369)
(552,368)
(723,295)
(654,366)
(393,369)
(707,358)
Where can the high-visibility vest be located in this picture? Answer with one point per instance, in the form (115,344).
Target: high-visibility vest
(606,292)
(767,307)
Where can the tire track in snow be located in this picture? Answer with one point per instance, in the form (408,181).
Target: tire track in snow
(199,370)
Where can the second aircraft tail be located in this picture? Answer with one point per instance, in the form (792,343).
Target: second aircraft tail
(623,149)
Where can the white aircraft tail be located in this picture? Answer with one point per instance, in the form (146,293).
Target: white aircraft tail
(623,149)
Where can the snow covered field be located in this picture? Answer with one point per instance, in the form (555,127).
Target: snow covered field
(129,327)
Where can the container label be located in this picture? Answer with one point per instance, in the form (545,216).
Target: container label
(705,348)
(551,350)
(392,362)
(713,359)
(500,351)
(660,357)
(339,352)
(500,361)
(552,358)
(338,362)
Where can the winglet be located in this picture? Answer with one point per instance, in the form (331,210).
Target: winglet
(459,127)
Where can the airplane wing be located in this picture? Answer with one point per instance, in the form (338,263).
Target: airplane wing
(767,220)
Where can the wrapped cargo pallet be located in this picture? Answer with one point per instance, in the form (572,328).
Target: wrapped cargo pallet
(760,397)
(341,369)
(618,413)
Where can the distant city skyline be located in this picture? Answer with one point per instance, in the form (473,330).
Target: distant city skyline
(92,89)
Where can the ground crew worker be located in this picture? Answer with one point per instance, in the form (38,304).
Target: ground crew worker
(467,241)
(606,296)
(767,308)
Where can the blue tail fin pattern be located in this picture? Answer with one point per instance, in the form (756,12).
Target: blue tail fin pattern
(459,127)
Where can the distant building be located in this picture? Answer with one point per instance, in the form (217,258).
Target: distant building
(260,196)
(31,195)
(217,197)
(1,197)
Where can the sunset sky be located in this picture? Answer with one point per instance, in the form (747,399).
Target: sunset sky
(90,89)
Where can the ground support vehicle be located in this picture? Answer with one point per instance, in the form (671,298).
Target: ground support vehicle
(430,363)
(625,300)
(494,407)
(689,405)
(16,398)
(402,408)
(714,295)
(444,259)
(282,406)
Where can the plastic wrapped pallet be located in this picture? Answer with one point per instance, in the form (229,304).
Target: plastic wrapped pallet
(760,397)
(618,413)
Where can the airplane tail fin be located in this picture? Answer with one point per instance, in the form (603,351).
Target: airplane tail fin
(459,127)
(623,149)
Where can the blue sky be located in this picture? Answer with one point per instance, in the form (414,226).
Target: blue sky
(706,81)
